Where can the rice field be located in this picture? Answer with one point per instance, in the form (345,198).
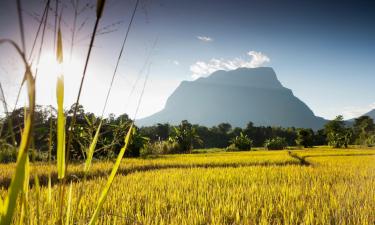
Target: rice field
(258,187)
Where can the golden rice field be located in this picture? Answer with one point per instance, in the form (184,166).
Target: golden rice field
(258,187)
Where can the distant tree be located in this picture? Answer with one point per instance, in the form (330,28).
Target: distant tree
(277,143)
(163,131)
(305,137)
(320,137)
(136,144)
(338,135)
(241,142)
(185,135)
(235,132)
(363,130)
(224,128)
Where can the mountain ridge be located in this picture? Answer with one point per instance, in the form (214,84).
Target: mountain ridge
(237,97)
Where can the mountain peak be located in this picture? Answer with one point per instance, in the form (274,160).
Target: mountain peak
(260,77)
(237,97)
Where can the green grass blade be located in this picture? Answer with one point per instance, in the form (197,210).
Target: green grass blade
(59,51)
(18,178)
(90,152)
(49,195)
(1,207)
(111,177)
(24,194)
(60,128)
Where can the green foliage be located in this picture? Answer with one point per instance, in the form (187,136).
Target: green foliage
(137,143)
(305,137)
(338,135)
(364,131)
(277,143)
(241,142)
(185,135)
(8,153)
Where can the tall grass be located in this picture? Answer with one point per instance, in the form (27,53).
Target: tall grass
(99,12)
(20,180)
(20,175)
(60,112)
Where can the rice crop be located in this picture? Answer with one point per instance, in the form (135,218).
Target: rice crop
(231,188)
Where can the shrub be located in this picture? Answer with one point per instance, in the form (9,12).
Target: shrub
(8,153)
(305,137)
(137,143)
(147,150)
(241,142)
(185,135)
(160,148)
(276,143)
(167,147)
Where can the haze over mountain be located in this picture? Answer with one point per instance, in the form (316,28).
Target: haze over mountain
(237,97)
(371,114)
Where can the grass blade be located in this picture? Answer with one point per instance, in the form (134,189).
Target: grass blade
(37,188)
(111,177)
(59,51)
(19,176)
(69,205)
(60,128)
(99,8)
(1,207)
(49,195)
(60,113)
(90,152)
(21,171)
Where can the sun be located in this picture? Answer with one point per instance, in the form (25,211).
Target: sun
(47,72)
(49,66)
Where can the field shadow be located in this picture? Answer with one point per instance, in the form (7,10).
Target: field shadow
(43,178)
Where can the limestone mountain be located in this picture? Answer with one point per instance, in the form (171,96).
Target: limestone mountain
(236,97)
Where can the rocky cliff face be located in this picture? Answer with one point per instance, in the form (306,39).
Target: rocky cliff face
(236,97)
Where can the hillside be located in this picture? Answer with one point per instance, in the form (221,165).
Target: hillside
(236,97)
(371,114)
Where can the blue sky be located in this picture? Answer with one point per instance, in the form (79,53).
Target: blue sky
(323,50)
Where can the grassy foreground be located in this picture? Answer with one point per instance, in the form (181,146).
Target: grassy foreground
(261,187)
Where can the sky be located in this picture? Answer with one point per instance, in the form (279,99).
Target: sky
(322,50)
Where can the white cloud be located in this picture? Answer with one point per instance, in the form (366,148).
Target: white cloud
(201,68)
(177,63)
(205,38)
(257,59)
(356,111)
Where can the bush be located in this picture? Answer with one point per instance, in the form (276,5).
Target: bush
(160,148)
(137,143)
(8,153)
(241,143)
(167,147)
(276,143)
(147,150)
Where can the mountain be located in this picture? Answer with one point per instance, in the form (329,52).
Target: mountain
(371,114)
(236,97)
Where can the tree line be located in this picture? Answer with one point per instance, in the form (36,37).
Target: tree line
(165,138)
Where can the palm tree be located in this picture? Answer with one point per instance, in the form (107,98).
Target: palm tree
(185,135)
